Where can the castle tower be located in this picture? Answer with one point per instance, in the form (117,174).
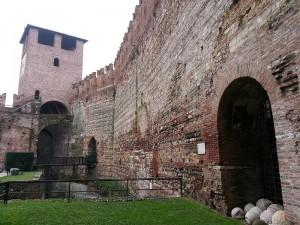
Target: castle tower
(51,63)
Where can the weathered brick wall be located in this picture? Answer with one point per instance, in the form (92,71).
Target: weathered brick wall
(173,67)
(2,101)
(18,128)
(92,107)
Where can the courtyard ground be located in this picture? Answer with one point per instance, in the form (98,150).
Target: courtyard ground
(26,176)
(54,212)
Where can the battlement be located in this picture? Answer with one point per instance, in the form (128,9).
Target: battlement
(18,100)
(99,83)
(143,16)
(2,100)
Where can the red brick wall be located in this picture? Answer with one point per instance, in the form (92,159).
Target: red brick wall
(173,67)
(171,72)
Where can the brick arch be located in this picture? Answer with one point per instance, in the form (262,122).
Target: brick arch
(92,157)
(247,143)
(92,144)
(54,107)
(223,79)
(253,70)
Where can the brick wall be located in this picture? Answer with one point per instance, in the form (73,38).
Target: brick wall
(92,106)
(165,93)
(18,129)
(174,65)
(2,101)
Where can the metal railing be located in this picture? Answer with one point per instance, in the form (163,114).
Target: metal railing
(61,161)
(94,189)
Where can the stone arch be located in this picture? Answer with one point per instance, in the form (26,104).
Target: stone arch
(44,144)
(53,107)
(51,143)
(92,146)
(92,157)
(247,144)
(254,70)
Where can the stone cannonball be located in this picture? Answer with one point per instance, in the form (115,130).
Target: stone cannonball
(279,218)
(263,203)
(253,215)
(248,207)
(256,210)
(237,213)
(266,216)
(275,207)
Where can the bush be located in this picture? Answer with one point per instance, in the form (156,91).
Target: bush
(21,160)
(113,188)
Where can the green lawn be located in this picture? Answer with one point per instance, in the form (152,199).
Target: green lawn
(59,212)
(26,176)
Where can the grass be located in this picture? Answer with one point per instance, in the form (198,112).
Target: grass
(58,212)
(24,177)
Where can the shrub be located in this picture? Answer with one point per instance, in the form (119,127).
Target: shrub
(21,160)
(111,188)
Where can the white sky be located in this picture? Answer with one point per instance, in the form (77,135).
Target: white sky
(102,22)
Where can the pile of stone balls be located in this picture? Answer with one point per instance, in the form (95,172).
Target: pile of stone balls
(263,213)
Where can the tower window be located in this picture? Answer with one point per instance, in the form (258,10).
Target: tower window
(56,62)
(68,43)
(37,94)
(46,37)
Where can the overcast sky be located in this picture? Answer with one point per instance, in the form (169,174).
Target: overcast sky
(102,22)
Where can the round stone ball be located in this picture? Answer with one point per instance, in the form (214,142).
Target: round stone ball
(259,222)
(275,207)
(256,210)
(248,207)
(251,216)
(266,216)
(279,218)
(263,203)
(237,213)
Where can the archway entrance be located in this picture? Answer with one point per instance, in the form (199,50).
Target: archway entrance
(52,142)
(92,157)
(53,107)
(92,145)
(52,145)
(247,144)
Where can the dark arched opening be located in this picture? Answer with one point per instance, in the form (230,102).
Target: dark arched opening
(51,145)
(56,62)
(45,145)
(247,144)
(53,107)
(92,157)
(92,145)
(37,94)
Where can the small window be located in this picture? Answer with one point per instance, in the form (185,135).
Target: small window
(46,37)
(68,43)
(37,94)
(56,62)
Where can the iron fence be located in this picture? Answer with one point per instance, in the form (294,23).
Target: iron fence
(93,189)
(60,161)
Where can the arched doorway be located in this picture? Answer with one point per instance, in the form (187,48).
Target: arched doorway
(92,157)
(92,145)
(54,107)
(247,144)
(51,147)
(45,145)
(52,142)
